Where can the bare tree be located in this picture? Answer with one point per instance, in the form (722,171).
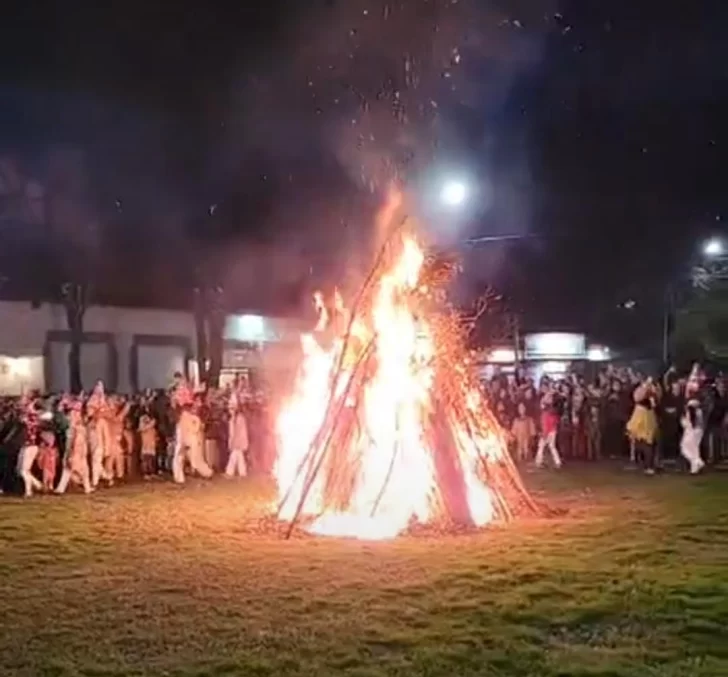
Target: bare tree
(216,319)
(21,197)
(74,230)
(209,313)
(11,189)
(76,297)
(70,209)
(200,315)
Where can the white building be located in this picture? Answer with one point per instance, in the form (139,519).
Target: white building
(545,353)
(129,348)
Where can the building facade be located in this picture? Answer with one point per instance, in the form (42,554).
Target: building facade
(130,349)
(544,353)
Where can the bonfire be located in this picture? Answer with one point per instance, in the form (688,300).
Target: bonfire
(387,427)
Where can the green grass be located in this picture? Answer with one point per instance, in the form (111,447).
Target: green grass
(156,580)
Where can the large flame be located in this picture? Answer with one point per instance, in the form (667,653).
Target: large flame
(383,372)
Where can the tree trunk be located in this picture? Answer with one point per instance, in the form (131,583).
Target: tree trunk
(75,298)
(215,306)
(202,347)
(217,321)
(75,326)
(74,364)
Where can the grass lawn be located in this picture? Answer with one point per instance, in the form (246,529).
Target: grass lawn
(157,580)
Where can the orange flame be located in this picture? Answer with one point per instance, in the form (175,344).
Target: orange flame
(395,476)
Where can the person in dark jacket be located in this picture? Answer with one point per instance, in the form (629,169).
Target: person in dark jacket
(716,421)
(671,406)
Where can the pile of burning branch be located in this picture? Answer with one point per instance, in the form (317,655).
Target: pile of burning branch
(388,427)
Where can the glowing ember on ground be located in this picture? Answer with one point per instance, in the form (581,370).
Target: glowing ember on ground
(386,426)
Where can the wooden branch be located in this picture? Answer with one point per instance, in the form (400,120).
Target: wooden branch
(316,467)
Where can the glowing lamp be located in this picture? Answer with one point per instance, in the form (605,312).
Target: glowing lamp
(502,356)
(454,193)
(598,354)
(714,247)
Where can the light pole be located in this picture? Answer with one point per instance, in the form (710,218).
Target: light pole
(489,239)
(668,312)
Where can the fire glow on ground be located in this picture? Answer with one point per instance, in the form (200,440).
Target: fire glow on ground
(152,580)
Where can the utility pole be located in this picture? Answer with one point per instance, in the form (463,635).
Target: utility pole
(668,310)
(493,239)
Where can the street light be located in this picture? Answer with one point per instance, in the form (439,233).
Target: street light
(714,248)
(453,193)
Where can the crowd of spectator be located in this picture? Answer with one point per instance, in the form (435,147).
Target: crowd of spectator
(617,413)
(139,436)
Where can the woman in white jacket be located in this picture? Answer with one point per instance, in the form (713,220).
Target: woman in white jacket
(75,459)
(237,438)
(692,423)
(29,417)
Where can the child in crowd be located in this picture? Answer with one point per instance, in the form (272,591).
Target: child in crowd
(128,440)
(148,436)
(593,431)
(48,458)
(524,432)
(237,438)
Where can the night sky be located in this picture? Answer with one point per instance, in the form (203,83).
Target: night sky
(253,144)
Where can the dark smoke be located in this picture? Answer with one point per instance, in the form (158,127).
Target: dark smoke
(364,93)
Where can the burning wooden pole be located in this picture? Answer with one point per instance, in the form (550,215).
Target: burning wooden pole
(404,432)
(336,406)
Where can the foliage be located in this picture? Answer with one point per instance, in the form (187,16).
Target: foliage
(21,197)
(701,325)
(153,580)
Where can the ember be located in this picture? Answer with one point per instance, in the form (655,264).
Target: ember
(387,427)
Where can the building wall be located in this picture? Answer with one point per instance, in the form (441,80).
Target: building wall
(18,374)
(158,363)
(97,362)
(269,345)
(129,348)
(118,343)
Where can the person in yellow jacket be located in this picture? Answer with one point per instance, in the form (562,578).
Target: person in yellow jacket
(642,425)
